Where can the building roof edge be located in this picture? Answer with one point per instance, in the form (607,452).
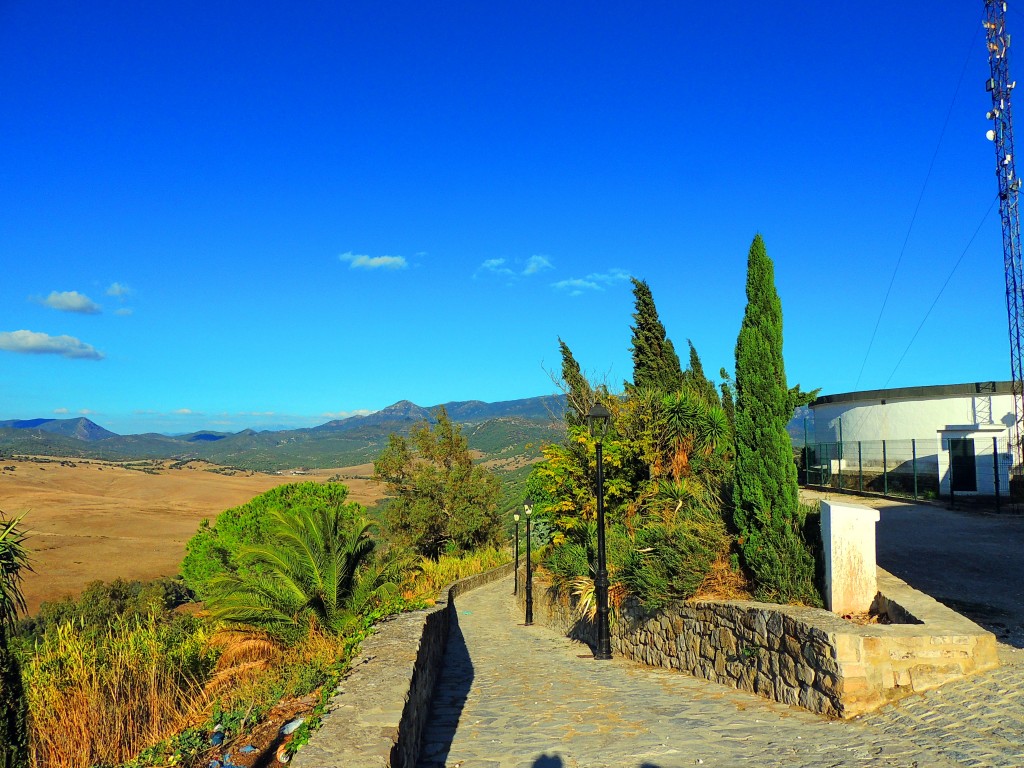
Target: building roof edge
(919,393)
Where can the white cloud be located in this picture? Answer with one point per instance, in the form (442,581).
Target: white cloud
(537,263)
(184,412)
(35,343)
(357,261)
(576,286)
(346,414)
(123,311)
(86,412)
(118,290)
(494,266)
(71,301)
(534,264)
(595,281)
(60,411)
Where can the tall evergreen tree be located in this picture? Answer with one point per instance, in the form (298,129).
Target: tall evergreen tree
(579,394)
(694,377)
(655,362)
(765,494)
(728,401)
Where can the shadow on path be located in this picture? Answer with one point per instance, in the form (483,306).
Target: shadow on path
(968,561)
(449,698)
(554,761)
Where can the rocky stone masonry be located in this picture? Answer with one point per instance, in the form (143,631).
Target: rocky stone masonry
(806,657)
(378,713)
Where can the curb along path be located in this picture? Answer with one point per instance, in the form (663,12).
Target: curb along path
(511,696)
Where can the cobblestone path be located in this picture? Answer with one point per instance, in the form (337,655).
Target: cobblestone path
(522,697)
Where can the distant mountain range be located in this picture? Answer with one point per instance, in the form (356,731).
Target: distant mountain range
(510,428)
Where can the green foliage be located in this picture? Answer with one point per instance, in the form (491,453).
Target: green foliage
(765,491)
(215,550)
(315,570)
(440,501)
(102,602)
(573,557)
(695,380)
(728,398)
(13,560)
(670,558)
(13,705)
(579,394)
(798,397)
(655,362)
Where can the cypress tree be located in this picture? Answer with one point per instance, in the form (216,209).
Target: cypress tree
(728,404)
(696,380)
(765,495)
(655,362)
(579,393)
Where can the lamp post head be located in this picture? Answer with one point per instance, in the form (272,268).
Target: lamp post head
(528,506)
(515,516)
(597,419)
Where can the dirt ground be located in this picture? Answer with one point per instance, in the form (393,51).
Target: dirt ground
(91,520)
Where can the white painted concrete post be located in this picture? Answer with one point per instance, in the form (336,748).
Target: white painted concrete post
(848,536)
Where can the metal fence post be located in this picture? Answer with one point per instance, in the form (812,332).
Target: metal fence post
(913,459)
(995,469)
(860,468)
(885,472)
(840,457)
(952,493)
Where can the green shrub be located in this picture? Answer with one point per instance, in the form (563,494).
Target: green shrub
(669,561)
(214,550)
(102,602)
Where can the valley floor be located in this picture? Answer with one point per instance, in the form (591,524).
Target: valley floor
(90,519)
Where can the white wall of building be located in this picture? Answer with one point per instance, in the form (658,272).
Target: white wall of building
(908,419)
(930,416)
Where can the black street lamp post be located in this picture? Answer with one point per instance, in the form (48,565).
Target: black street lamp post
(515,577)
(597,420)
(528,509)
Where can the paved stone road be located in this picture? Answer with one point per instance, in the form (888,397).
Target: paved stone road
(521,697)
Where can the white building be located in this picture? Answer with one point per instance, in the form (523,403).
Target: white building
(943,424)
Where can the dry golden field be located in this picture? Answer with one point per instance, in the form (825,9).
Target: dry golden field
(91,520)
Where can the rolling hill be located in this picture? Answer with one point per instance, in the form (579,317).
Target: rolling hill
(504,429)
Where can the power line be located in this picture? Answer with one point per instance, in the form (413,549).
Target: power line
(917,207)
(943,288)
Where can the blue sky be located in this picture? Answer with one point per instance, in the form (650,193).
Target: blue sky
(248,214)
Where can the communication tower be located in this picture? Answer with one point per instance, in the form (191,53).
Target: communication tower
(1001,134)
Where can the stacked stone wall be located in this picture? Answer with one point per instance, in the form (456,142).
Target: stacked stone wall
(377,715)
(805,657)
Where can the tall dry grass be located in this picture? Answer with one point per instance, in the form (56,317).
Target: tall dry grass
(100,699)
(436,575)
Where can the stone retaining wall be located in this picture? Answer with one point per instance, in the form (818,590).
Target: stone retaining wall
(807,657)
(377,714)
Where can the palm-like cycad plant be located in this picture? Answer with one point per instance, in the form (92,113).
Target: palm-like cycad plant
(13,709)
(13,559)
(305,576)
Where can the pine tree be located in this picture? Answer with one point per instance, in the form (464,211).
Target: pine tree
(579,394)
(655,362)
(765,494)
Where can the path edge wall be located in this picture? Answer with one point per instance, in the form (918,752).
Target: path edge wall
(806,657)
(378,712)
